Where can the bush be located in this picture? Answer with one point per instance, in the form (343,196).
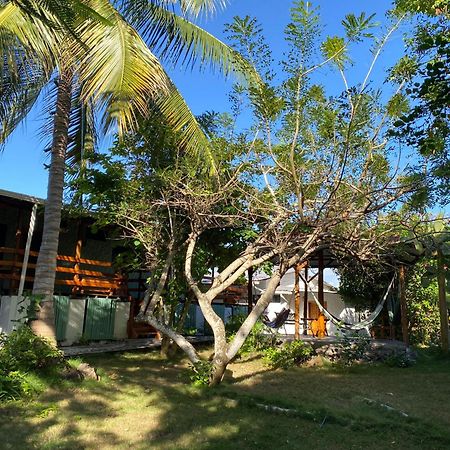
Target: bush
(23,350)
(288,355)
(201,373)
(257,340)
(399,359)
(352,348)
(22,353)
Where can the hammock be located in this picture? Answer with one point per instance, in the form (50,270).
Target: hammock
(279,319)
(354,326)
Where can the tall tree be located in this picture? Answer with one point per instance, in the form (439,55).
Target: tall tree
(426,125)
(101,65)
(312,172)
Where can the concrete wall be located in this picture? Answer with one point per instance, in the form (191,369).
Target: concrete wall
(13,312)
(121,319)
(74,329)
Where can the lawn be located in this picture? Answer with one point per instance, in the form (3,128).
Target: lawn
(144,402)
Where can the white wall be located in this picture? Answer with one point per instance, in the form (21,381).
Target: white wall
(13,311)
(121,320)
(74,329)
(335,306)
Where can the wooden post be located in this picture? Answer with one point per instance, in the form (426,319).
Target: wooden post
(403,307)
(443,309)
(297,301)
(320,279)
(27,250)
(250,290)
(16,259)
(78,246)
(321,321)
(305,302)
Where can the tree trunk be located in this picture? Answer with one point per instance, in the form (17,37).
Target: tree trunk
(219,367)
(443,309)
(251,319)
(44,280)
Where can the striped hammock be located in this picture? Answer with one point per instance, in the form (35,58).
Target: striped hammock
(359,325)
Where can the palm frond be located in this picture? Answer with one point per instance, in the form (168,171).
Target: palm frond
(23,72)
(117,69)
(36,38)
(178,40)
(189,8)
(82,131)
(60,15)
(180,118)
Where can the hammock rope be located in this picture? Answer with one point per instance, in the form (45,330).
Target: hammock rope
(359,325)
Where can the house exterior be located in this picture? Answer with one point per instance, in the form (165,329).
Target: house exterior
(92,298)
(285,298)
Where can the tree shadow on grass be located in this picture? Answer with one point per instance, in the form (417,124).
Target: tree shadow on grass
(145,402)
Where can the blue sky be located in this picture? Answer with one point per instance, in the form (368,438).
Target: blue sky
(22,162)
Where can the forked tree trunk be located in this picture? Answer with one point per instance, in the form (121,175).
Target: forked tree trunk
(44,280)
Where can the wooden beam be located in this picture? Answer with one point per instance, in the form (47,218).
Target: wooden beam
(320,279)
(443,308)
(305,302)
(78,246)
(14,271)
(297,301)
(250,290)
(90,262)
(321,321)
(403,306)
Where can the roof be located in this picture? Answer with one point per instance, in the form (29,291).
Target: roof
(21,197)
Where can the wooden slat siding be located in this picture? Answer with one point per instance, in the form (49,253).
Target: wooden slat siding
(86,282)
(9,276)
(93,281)
(19,251)
(89,273)
(90,262)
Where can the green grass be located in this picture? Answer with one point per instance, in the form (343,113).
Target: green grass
(143,402)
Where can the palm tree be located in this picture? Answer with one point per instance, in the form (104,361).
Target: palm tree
(105,65)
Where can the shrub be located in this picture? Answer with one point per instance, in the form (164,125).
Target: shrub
(351,348)
(23,350)
(400,359)
(201,373)
(257,340)
(23,354)
(289,354)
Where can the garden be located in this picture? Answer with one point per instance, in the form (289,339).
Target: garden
(330,147)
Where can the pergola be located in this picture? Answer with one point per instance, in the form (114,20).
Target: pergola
(320,261)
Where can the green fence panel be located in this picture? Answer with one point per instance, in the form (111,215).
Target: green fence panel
(189,322)
(239,310)
(61,308)
(99,320)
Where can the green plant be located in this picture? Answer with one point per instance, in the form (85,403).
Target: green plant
(10,386)
(23,350)
(399,359)
(289,354)
(351,348)
(201,373)
(257,339)
(234,323)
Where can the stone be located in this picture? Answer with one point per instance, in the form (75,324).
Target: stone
(88,372)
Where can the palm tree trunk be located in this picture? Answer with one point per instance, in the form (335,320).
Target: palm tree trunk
(44,280)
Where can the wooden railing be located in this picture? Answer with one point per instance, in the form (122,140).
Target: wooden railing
(83,276)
